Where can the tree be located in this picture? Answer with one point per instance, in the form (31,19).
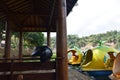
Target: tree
(72,41)
(30,39)
(34,39)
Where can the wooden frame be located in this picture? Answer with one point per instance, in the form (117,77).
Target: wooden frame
(28,70)
(41,16)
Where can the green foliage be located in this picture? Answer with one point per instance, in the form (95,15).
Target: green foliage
(30,39)
(53,56)
(75,40)
(34,38)
(37,39)
(52,42)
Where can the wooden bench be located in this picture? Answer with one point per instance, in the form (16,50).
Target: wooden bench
(27,70)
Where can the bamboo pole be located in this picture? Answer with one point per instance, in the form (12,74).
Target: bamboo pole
(61,63)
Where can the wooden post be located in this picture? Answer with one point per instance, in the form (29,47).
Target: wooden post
(61,63)
(7,40)
(48,38)
(20,46)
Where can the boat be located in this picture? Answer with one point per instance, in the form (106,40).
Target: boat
(98,61)
(74,56)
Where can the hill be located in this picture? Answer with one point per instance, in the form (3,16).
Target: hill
(111,38)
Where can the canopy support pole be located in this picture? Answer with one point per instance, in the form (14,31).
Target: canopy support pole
(61,63)
(7,40)
(20,45)
(48,38)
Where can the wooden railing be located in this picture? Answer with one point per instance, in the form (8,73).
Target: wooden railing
(26,70)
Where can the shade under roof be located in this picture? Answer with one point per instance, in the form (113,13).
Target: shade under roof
(32,15)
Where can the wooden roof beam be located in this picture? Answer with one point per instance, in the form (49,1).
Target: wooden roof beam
(33,5)
(8,13)
(34,26)
(49,24)
(4,7)
(25,29)
(31,14)
(52,12)
(41,12)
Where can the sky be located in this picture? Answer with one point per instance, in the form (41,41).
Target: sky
(93,17)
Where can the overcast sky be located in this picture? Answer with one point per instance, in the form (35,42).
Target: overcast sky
(94,16)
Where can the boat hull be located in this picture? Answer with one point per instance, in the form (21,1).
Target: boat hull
(100,74)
